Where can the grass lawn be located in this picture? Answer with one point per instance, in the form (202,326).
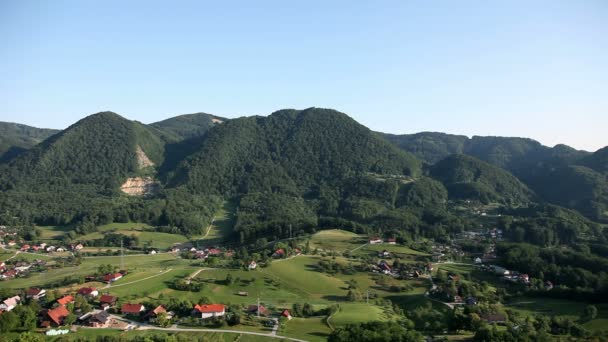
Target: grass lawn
(308,329)
(336,240)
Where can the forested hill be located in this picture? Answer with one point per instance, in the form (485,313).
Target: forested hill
(289,151)
(16,138)
(188,125)
(509,153)
(467,177)
(99,150)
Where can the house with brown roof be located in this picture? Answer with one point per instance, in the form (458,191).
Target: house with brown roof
(35,293)
(262,310)
(132,309)
(107,301)
(88,292)
(392,241)
(58,314)
(65,300)
(153,315)
(210,310)
(279,253)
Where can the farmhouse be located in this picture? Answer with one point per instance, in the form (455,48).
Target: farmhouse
(65,300)
(10,303)
(252,265)
(88,292)
(392,241)
(132,309)
(210,310)
(35,293)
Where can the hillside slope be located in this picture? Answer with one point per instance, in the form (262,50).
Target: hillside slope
(188,125)
(16,138)
(467,177)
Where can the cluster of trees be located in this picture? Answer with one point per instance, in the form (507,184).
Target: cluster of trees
(376,331)
(577,272)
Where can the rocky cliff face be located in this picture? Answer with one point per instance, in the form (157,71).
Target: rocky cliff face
(140,186)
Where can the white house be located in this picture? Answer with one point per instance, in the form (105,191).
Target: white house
(478,260)
(252,265)
(210,310)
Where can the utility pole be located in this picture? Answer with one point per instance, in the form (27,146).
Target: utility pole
(122,257)
(258,307)
(290,235)
(367,298)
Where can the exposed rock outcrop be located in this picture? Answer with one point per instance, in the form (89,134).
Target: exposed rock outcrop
(140,186)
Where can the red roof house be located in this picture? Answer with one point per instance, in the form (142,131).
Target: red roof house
(107,299)
(112,277)
(279,253)
(286,314)
(132,309)
(210,310)
(58,314)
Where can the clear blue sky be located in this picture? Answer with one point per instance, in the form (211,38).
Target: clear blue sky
(515,68)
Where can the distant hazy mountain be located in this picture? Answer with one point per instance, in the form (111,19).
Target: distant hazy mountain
(16,138)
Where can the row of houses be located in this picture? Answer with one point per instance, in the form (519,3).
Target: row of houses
(10,271)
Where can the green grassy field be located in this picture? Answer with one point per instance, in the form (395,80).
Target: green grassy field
(309,329)
(134,265)
(223,223)
(336,240)
(53,232)
(145,233)
(358,313)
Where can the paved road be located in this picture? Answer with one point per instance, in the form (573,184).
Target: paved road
(143,326)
